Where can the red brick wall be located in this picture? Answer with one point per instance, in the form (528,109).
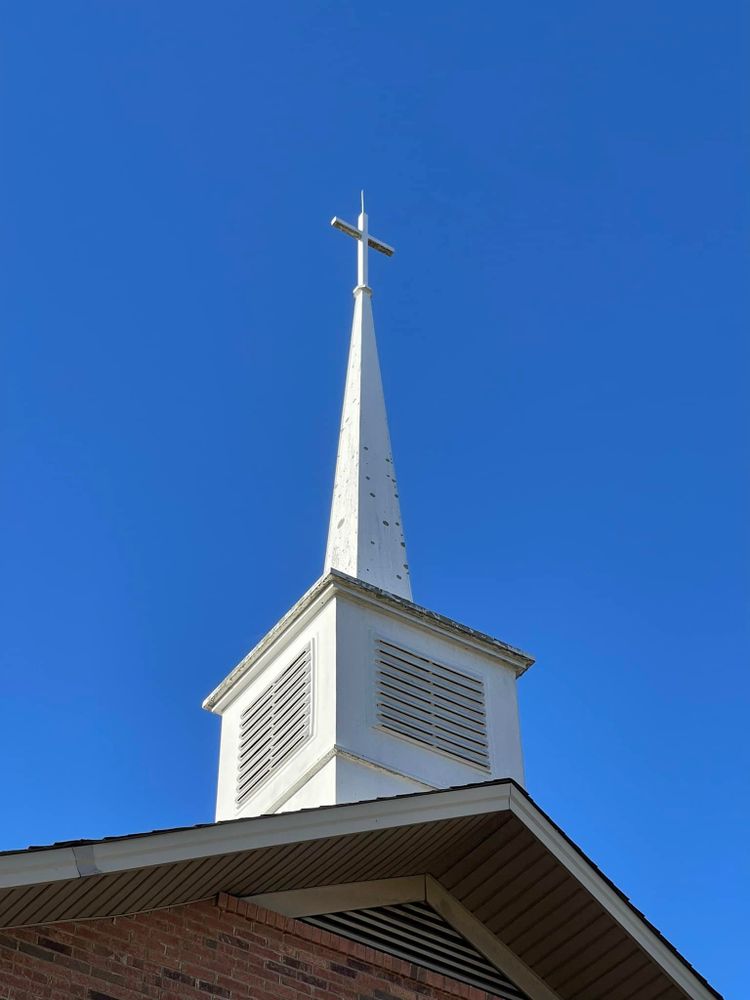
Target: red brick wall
(203,951)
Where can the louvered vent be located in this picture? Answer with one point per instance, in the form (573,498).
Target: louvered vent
(414,932)
(275,724)
(433,704)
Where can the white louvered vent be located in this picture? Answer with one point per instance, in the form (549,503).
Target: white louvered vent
(433,704)
(275,724)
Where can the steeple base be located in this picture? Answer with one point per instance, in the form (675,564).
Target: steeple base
(358,694)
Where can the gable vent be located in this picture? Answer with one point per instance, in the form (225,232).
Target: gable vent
(435,705)
(416,933)
(275,724)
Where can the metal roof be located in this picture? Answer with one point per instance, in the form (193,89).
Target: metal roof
(488,844)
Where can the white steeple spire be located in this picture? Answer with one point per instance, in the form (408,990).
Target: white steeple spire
(365,536)
(358,693)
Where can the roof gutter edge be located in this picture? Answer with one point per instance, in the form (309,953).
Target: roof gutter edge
(147,850)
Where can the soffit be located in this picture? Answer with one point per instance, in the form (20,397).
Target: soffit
(487,844)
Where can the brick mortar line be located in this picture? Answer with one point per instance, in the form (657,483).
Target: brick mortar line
(337,943)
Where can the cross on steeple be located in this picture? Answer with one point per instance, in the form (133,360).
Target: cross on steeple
(361,233)
(365,535)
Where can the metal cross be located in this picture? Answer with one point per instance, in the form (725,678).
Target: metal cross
(360,232)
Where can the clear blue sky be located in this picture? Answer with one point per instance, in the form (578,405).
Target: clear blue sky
(563,335)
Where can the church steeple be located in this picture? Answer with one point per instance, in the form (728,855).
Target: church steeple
(358,693)
(365,535)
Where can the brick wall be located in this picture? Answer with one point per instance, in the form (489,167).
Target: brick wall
(203,951)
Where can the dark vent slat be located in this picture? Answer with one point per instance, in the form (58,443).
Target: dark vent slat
(292,671)
(269,728)
(432,704)
(471,696)
(290,678)
(472,708)
(441,707)
(411,948)
(429,701)
(420,935)
(252,773)
(267,757)
(275,724)
(469,700)
(286,730)
(257,731)
(469,732)
(455,677)
(271,759)
(258,706)
(415,933)
(428,740)
(273,720)
(432,729)
(293,741)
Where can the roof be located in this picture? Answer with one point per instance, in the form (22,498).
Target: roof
(336,582)
(488,844)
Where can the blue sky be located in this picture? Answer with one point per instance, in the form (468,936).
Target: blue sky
(563,336)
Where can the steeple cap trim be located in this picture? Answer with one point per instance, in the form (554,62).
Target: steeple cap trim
(336,583)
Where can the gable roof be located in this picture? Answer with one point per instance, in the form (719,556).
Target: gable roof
(488,844)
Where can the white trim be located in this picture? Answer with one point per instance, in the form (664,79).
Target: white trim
(310,772)
(273,644)
(340,898)
(487,943)
(411,889)
(355,758)
(374,765)
(333,583)
(464,635)
(606,896)
(56,864)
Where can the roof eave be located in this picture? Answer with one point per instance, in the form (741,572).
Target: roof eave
(47,868)
(119,854)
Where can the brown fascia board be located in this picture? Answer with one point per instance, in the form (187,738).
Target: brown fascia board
(336,582)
